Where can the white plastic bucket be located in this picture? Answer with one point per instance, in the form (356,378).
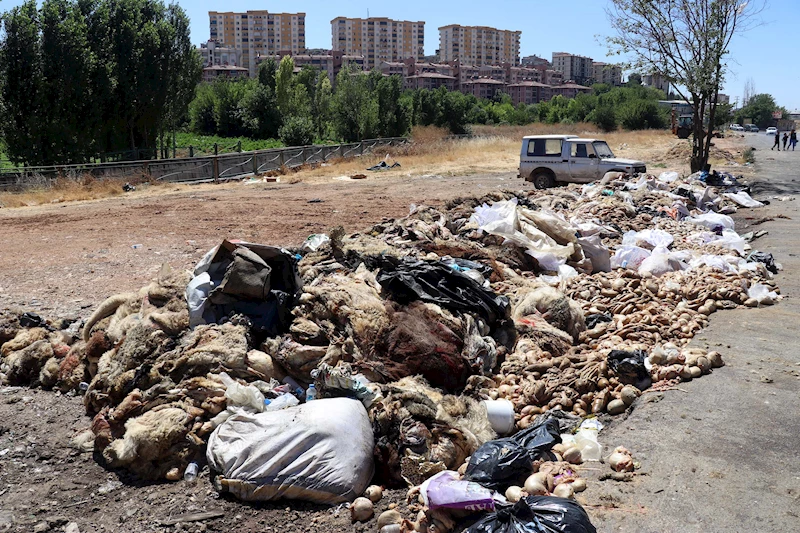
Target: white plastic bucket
(501,415)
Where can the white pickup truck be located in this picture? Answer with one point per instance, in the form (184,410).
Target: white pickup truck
(547,159)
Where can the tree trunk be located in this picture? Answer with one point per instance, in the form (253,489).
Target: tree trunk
(697,161)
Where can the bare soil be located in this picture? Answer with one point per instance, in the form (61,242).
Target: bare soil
(63,259)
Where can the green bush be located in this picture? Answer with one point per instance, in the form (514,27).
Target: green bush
(297,131)
(641,115)
(604,118)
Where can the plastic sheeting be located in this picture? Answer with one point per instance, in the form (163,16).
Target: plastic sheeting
(713,221)
(407,280)
(320,452)
(743,199)
(545,236)
(537,514)
(499,462)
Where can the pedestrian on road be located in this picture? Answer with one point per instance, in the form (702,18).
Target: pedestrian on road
(793,139)
(785,140)
(777,141)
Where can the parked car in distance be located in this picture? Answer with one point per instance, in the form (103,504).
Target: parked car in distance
(548,159)
(772,130)
(752,127)
(736,127)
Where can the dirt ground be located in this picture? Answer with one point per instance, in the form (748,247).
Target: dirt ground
(63,259)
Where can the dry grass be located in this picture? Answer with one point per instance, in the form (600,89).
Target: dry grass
(64,190)
(431,152)
(493,149)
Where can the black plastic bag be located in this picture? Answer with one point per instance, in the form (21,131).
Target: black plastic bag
(629,367)
(407,280)
(501,462)
(536,514)
(764,258)
(597,318)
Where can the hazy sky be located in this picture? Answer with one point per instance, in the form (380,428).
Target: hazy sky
(768,53)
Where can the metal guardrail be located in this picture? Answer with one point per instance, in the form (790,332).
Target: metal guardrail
(214,168)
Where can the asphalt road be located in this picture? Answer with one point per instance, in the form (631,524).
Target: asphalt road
(724,455)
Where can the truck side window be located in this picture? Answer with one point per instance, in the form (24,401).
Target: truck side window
(581,150)
(544,147)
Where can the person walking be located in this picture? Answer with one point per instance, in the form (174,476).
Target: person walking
(785,140)
(777,141)
(793,139)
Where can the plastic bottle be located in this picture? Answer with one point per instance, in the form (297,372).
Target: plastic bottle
(311,393)
(191,472)
(281,402)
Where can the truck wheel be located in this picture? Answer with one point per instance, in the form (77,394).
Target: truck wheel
(684,133)
(543,180)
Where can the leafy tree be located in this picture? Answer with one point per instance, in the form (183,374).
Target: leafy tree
(321,108)
(259,109)
(355,111)
(22,81)
(89,76)
(603,117)
(687,42)
(297,131)
(394,117)
(759,109)
(634,80)
(267,72)
(284,83)
(201,111)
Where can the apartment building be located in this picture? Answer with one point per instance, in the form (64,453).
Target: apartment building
(569,90)
(379,39)
(212,72)
(214,54)
(478,45)
(529,92)
(607,73)
(656,80)
(579,69)
(484,88)
(328,61)
(535,61)
(259,33)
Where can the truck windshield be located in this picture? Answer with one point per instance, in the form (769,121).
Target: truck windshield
(602,149)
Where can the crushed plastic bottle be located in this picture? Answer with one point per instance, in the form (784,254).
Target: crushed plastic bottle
(191,472)
(281,402)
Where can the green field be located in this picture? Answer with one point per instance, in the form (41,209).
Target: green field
(204,144)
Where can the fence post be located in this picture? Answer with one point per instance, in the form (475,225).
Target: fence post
(215,167)
(239,147)
(255,163)
(191,151)
(216,149)
(281,159)
(146,169)
(303,157)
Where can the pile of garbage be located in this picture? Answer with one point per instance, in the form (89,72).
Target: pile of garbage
(405,354)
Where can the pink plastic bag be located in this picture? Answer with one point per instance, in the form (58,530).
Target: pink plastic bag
(446,491)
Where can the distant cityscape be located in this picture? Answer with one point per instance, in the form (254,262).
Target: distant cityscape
(476,60)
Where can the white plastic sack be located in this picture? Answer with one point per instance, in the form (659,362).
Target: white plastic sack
(196,296)
(762,294)
(743,199)
(599,255)
(660,262)
(717,262)
(503,219)
(668,177)
(712,221)
(320,452)
(238,395)
(654,237)
(629,257)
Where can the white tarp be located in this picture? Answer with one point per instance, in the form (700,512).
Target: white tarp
(743,199)
(320,452)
